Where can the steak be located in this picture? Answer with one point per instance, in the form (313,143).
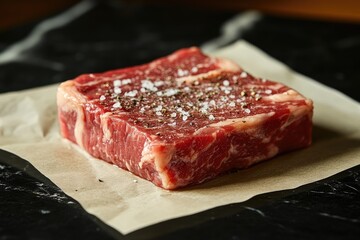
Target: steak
(183,119)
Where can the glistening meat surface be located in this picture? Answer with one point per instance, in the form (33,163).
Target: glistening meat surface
(183,119)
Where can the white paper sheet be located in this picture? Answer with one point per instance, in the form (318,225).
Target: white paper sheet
(28,127)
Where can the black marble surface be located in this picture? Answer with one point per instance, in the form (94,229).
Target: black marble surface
(112,35)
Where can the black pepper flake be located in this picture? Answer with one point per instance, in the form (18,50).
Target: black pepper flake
(100,180)
(243,121)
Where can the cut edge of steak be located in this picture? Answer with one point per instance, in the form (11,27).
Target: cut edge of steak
(245,119)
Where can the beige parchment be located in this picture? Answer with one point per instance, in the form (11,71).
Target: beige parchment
(28,128)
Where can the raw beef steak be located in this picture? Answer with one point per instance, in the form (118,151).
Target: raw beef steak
(183,119)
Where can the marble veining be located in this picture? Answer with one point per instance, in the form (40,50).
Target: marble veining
(40,190)
(232,30)
(256,210)
(32,209)
(339,217)
(18,51)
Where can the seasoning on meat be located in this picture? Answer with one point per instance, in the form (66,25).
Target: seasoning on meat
(183,119)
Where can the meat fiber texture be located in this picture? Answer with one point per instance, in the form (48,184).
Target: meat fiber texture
(183,119)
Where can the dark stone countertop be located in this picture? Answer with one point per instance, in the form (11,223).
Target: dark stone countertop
(96,36)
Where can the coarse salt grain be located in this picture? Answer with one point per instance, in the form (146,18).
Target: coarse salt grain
(173,115)
(268,91)
(226,83)
(158,83)
(116,105)
(185,113)
(171,92)
(146,84)
(203,110)
(131,93)
(209,89)
(159,108)
(204,104)
(246,110)
(184,118)
(117,83)
(125,81)
(211,117)
(224,98)
(102,98)
(182,73)
(243,74)
(194,69)
(117,90)
(232,104)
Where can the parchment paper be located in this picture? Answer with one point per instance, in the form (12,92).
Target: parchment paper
(28,127)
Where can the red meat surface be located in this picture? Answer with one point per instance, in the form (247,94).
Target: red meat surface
(183,119)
